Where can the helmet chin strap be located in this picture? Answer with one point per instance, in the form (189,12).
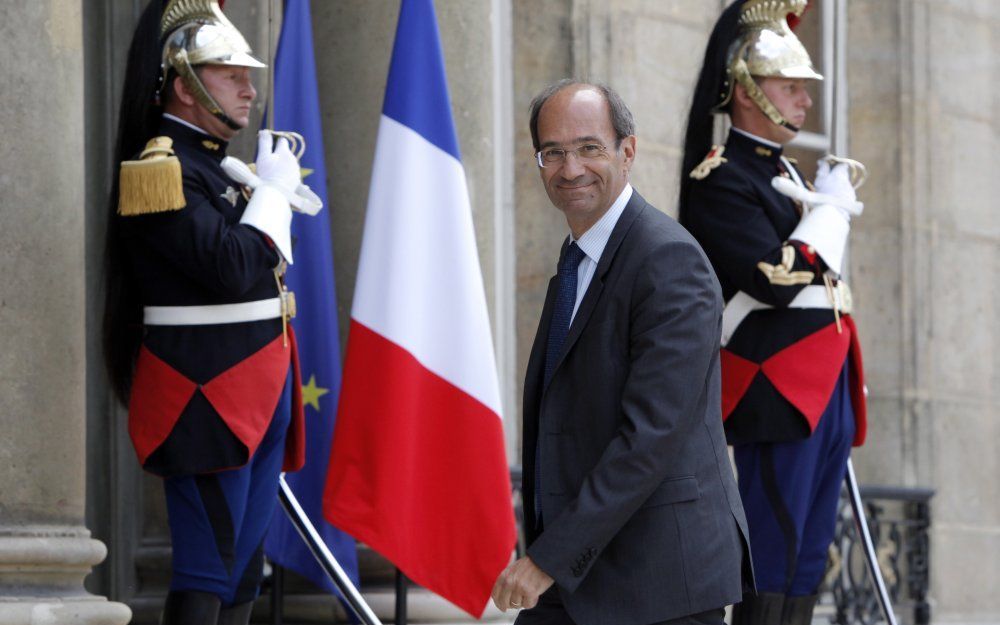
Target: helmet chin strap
(757,95)
(193,83)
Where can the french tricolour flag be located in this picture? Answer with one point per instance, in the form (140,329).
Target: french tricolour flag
(418,470)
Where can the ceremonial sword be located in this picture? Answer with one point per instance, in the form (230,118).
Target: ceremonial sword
(323,555)
(860,520)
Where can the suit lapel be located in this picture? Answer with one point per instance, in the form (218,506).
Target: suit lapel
(635,206)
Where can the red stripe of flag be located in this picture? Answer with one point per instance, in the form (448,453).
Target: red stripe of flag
(419,472)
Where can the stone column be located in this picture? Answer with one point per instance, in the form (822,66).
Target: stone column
(45,550)
(924,118)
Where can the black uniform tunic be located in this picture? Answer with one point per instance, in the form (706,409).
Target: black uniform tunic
(741,221)
(201,255)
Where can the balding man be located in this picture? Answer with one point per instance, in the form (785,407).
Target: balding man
(631,509)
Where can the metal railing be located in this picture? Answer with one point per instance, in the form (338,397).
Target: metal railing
(899,520)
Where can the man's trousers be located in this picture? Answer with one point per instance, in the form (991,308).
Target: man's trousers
(790,493)
(550,611)
(218,520)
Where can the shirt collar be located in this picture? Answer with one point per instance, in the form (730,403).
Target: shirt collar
(184,132)
(185,123)
(595,239)
(754,150)
(750,135)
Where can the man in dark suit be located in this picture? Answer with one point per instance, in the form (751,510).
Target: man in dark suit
(631,509)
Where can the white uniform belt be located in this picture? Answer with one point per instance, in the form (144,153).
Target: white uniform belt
(812,296)
(211,315)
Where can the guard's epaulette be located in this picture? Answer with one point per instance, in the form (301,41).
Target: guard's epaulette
(153,183)
(713,160)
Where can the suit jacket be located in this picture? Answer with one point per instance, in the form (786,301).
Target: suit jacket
(642,518)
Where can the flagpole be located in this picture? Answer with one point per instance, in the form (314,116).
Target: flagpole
(277,593)
(402,589)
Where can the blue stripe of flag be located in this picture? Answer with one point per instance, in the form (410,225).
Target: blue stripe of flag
(416,93)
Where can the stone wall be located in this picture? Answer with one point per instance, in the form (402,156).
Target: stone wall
(45,550)
(925,115)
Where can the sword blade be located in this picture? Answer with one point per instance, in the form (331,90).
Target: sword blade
(323,555)
(871,557)
(271,57)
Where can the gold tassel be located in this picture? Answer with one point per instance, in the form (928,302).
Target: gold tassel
(152,184)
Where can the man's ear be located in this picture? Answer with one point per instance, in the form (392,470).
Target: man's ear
(181,92)
(741,98)
(628,149)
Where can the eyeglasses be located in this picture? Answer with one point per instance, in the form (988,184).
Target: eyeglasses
(557,156)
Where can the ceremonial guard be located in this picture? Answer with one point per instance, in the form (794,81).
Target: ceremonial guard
(792,389)
(196,326)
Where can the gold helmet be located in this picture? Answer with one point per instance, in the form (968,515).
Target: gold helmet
(195,32)
(767,47)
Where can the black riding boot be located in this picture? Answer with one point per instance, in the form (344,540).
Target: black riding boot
(761,609)
(236,615)
(798,610)
(190,608)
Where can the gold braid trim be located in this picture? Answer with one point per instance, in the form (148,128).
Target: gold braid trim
(782,274)
(713,160)
(152,184)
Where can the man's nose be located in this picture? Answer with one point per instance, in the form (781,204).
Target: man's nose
(807,101)
(572,166)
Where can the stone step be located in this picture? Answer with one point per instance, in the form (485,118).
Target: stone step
(425,607)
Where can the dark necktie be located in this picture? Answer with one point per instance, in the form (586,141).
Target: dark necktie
(562,310)
(562,314)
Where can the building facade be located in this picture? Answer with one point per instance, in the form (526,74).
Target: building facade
(917,102)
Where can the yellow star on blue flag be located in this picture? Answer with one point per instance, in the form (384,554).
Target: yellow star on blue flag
(311,393)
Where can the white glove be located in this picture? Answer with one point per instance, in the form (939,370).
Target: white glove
(840,192)
(836,183)
(269,210)
(276,165)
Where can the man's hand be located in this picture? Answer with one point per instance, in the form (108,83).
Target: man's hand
(276,165)
(520,585)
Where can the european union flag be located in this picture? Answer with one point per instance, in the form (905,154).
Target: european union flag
(296,108)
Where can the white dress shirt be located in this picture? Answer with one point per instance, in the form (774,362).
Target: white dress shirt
(592,244)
